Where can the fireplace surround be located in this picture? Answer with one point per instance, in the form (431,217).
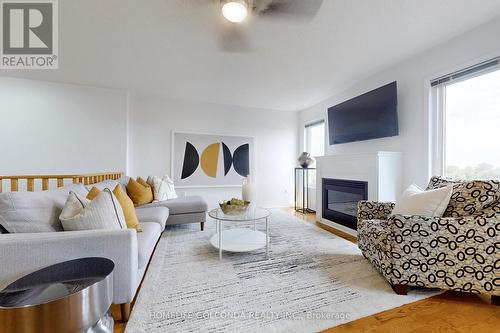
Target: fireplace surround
(340,200)
(382,170)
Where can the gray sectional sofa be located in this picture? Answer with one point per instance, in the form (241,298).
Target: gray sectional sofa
(46,244)
(188,209)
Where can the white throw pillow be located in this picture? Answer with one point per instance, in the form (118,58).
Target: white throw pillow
(416,201)
(163,188)
(104,212)
(35,211)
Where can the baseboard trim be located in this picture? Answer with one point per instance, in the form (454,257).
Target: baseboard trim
(339,227)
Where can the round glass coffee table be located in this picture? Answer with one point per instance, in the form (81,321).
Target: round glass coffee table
(240,239)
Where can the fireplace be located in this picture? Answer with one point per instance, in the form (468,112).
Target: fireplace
(340,200)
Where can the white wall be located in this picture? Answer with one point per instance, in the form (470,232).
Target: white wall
(57,128)
(153,118)
(413,78)
(64,128)
(52,128)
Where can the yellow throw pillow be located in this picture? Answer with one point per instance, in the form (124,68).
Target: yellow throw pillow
(126,204)
(93,193)
(128,208)
(139,193)
(142,182)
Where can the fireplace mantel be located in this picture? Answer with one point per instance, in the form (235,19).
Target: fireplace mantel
(382,170)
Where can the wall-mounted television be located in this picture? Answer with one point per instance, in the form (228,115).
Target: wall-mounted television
(369,116)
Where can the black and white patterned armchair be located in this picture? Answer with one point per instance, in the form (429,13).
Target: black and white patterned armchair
(459,251)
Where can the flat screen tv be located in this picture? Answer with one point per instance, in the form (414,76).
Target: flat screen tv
(369,116)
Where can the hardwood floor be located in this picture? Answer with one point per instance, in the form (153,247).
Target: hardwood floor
(448,312)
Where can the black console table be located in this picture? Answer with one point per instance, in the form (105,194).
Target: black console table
(304,172)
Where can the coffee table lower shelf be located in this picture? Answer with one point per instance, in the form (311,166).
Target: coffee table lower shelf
(240,240)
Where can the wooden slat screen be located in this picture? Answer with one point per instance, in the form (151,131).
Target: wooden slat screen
(30,180)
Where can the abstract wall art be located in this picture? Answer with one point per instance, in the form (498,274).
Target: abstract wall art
(201,160)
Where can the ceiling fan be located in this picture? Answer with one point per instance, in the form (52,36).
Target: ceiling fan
(232,33)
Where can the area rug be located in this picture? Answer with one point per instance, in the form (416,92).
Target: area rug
(312,280)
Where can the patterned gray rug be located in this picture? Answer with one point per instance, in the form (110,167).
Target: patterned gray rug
(313,280)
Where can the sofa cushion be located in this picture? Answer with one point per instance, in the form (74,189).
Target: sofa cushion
(182,205)
(103,212)
(153,214)
(438,182)
(146,241)
(416,201)
(139,193)
(163,188)
(111,184)
(469,197)
(126,204)
(35,211)
(123,181)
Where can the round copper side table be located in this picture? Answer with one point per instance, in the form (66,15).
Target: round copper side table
(71,296)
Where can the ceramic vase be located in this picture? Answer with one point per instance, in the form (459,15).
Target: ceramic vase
(305,160)
(247,190)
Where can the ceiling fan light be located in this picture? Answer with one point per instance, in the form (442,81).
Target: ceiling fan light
(235,10)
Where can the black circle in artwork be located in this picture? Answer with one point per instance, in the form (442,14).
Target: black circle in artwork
(191,161)
(241,160)
(228,158)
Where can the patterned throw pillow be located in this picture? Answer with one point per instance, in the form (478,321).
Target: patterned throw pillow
(163,188)
(438,182)
(468,197)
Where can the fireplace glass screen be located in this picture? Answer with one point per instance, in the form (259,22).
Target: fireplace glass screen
(340,200)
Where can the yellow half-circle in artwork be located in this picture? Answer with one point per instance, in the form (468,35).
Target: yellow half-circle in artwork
(210,159)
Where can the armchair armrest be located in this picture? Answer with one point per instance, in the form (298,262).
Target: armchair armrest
(374,210)
(452,253)
(23,253)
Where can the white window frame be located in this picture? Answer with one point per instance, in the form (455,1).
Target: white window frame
(310,124)
(437,115)
(438,130)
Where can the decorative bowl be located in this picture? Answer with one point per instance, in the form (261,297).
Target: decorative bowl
(234,209)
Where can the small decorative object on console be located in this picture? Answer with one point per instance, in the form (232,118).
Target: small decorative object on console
(247,189)
(305,160)
(234,206)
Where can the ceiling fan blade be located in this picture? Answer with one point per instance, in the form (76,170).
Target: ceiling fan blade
(233,38)
(299,9)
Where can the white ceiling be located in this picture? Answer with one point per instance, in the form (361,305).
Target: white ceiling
(168,47)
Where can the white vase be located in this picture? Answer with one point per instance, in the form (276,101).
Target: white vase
(247,191)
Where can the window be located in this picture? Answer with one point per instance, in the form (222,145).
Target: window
(314,138)
(314,144)
(468,120)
